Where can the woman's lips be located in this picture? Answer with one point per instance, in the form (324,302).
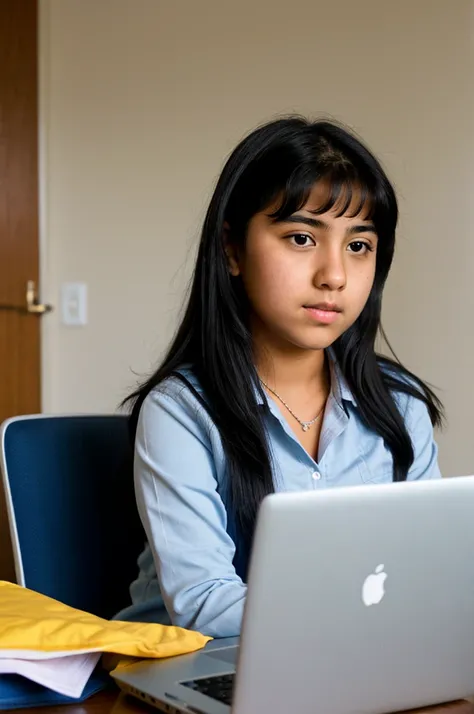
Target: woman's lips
(325,316)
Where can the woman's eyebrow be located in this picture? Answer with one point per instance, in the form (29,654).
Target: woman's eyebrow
(361,228)
(322,225)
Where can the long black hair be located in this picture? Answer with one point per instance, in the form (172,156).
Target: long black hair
(281,161)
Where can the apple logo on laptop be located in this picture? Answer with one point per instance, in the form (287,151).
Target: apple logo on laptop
(373,589)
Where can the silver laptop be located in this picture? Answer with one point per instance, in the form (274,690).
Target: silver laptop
(360,600)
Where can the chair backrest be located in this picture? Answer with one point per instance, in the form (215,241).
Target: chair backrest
(75,529)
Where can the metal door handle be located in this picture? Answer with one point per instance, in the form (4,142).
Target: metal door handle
(32,302)
(33,305)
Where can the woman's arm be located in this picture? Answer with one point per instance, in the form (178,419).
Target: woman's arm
(184,516)
(420,429)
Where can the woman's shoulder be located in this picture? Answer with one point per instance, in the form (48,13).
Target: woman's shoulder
(179,396)
(405,388)
(182,385)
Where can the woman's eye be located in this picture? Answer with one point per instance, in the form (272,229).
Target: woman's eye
(360,247)
(301,240)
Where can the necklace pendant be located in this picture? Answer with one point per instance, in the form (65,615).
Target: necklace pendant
(305,427)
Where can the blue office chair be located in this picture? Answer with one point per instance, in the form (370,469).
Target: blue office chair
(73,522)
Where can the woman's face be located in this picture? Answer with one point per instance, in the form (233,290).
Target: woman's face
(307,277)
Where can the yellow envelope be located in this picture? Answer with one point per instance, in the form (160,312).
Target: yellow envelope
(32,625)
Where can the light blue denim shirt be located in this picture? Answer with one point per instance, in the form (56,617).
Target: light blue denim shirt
(180,478)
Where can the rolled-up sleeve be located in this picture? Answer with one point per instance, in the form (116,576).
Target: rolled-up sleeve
(420,429)
(184,516)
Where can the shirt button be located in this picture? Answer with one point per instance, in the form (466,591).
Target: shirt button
(316,475)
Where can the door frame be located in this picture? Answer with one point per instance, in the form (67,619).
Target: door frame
(47,347)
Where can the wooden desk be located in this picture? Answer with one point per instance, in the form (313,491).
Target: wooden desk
(111,702)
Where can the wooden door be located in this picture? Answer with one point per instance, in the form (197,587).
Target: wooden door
(19,329)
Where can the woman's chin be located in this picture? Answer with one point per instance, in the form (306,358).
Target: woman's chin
(313,342)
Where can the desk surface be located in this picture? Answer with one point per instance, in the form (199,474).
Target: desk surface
(111,702)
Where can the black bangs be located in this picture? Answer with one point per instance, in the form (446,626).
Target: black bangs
(344,190)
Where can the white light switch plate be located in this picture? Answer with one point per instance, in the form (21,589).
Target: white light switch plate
(74,304)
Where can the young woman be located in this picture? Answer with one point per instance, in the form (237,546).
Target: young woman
(272,382)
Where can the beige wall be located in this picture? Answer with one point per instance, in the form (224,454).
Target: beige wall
(141,101)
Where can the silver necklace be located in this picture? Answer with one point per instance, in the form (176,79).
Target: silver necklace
(305,425)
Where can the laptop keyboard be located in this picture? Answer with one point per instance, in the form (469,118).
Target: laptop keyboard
(219,687)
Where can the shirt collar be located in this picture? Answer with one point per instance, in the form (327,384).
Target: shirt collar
(339,387)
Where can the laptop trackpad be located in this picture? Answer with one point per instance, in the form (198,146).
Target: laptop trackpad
(226,654)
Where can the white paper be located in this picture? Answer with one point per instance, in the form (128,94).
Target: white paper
(43,654)
(65,675)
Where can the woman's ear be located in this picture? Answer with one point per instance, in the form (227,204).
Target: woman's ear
(231,252)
